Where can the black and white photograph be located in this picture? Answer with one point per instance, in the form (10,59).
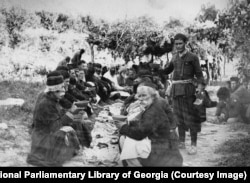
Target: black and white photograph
(124,83)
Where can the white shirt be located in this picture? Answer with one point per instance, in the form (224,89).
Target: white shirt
(113,79)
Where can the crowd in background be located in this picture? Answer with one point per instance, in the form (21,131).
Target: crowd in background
(154,106)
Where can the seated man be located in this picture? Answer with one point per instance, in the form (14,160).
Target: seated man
(86,88)
(156,122)
(227,109)
(242,96)
(52,143)
(113,77)
(131,75)
(103,88)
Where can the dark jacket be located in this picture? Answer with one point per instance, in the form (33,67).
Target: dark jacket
(76,93)
(184,68)
(48,146)
(156,122)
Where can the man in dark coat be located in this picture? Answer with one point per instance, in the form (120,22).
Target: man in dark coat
(185,66)
(52,143)
(158,124)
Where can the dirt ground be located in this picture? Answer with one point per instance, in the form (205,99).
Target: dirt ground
(15,144)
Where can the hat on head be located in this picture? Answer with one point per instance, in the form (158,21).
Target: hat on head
(82,50)
(234,78)
(148,84)
(54,82)
(67,58)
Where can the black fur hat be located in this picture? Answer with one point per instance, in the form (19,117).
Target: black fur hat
(148,84)
(54,80)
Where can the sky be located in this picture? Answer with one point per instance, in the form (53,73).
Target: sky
(111,10)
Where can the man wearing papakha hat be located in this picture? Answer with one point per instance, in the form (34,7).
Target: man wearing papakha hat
(149,137)
(185,67)
(52,143)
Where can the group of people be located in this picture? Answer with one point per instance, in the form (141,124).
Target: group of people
(155,129)
(234,101)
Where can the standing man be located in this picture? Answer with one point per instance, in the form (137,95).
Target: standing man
(185,67)
(77,58)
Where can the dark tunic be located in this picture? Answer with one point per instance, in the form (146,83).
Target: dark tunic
(185,68)
(155,123)
(50,146)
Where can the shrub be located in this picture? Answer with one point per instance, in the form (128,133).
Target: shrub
(14,20)
(45,43)
(42,70)
(46,19)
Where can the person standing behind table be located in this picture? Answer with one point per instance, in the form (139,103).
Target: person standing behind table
(77,58)
(185,67)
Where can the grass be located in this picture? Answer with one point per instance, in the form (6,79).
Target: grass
(19,89)
(236,151)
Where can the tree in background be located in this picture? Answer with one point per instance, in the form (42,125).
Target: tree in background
(14,19)
(231,34)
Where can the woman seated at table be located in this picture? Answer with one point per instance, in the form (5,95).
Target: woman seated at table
(155,122)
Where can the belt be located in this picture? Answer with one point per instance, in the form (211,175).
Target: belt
(182,81)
